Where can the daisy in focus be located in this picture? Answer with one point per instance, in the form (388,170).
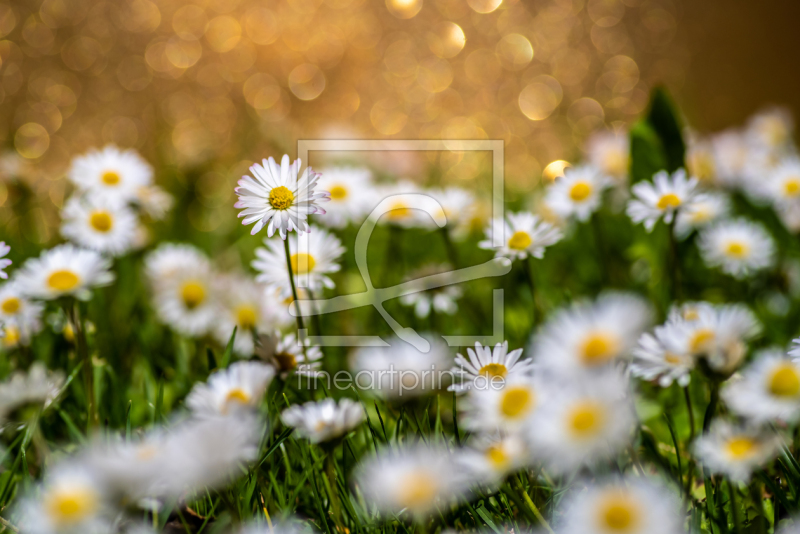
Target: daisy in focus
(352,195)
(589,420)
(111,173)
(590,335)
(578,193)
(279,197)
(313,258)
(706,208)
(631,505)
(525,235)
(662,198)
(610,152)
(484,363)
(502,405)
(238,388)
(736,451)
(62,271)
(768,390)
(739,247)
(103,225)
(288,355)
(324,420)
(4,250)
(416,479)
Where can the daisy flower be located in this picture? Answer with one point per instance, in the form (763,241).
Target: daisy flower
(415,479)
(705,209)
(99,224)
(578,193)
(37,386)
(589,335)
(736,451)
(483,363)
(662,198)
(502,405)
(167,261)
(783,187)
(662,356)
(287,355)
(610,152)
(242,304)
(324,420)
(731,153)
(17,310)
(492,458)
(154,201)
(769,389)
(399,212)
(525,235)
(314,256)
(70,499)
(630,505)
(794,351)
(457,204)
(276,197)
(4,250)
(588,420)
(771,128)
(238,388)
(401,370)
(738,247)
(187,300)
(111,173)
(62,271)
(700,160)
(352,195)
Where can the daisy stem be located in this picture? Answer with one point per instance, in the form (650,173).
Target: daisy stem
(674,264)
(737,521)
(88,368)
(452,254)
(330,468)
(528,268)
(532,506)
(688,397)
(300,325)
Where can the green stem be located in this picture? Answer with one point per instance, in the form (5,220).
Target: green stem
(330,469)
(452,254)
(88,367)
(300,325)
(688,397)
(674,263)
(533,507)
(535,310)
(737,520)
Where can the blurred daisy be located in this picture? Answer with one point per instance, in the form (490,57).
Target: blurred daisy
(70,499)
(492,458)
(111,173)
(578,193)
(590,335)
(16,309)
(287,355)
(610,152)
(99,224)
(65,270)
(238,388)
(154,201)
(588,420)
(314,257)
(401,370)
(769,389)
(324,420)
(276,197)
(484,363)
(502,405)
(441,300)
(626,506)
(399,212)
(700,160)
(187,300)
(4,250)
(783,187)
(242,304)
(731,154)
(457,204)
(738,247)
(415,479)
(171,259)
(662,356)
(352,195)
(771,128)
(705,209)
(663,198)
(794,351)
(736,451)
(525,234)
(38,387)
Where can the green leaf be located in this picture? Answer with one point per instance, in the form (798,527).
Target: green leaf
(226,356)
(647,152)
(664,121)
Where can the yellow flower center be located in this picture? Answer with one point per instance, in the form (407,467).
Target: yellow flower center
(497,456)
(237,395)
(691,314)
(338,192)
(737,249)
(101,221)
(110,178)
(520,241)
(302,263)
(619,514)
(701,165)
(63,280)
(740,447)
(193,294)
(700,214)
(586,419)
(68,507)
(286,362)
(580,191)
(598,348)
(11,336)
(517,402)
(11,305)
(417,490)
(399,210)
(493,369)
(69,333)
(674,359)
(701,340)
(670,200)
(246,316)
(792,186)
(281,198)
(784,381)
